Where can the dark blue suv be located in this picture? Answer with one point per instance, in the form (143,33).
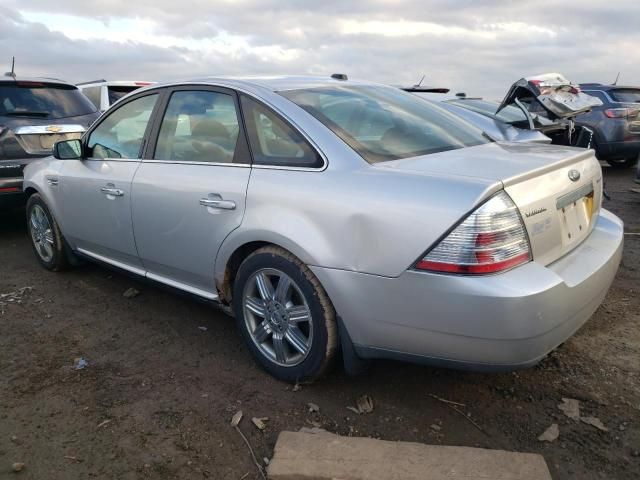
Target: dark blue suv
(616,124)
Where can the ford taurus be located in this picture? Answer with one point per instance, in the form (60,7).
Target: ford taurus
(328,214)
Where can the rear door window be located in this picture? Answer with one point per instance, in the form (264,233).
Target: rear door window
(199,126)
(121,132)
(43,100)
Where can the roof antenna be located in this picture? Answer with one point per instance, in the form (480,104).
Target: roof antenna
(420,82)
(617,77)
(12,73)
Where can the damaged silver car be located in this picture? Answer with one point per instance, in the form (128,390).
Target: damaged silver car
(329,214)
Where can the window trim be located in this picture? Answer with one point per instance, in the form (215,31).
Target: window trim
(145,138)
(294,127)
(155,132)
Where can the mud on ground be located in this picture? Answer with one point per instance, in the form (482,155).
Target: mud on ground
(158,393)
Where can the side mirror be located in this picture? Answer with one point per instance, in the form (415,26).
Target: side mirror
(68,150)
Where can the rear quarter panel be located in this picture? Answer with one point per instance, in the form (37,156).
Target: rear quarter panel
(368,219)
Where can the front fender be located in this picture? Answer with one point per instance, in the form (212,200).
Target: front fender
(41,176)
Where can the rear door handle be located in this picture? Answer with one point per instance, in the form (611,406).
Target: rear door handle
(216,201)
(115,192)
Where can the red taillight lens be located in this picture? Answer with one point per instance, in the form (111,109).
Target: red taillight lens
(490,240)
(621,112)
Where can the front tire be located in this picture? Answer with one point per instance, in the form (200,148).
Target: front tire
(46,238)
(284,315)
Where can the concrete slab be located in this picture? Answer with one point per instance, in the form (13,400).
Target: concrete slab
(324,456)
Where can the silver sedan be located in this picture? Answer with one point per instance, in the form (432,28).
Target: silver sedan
(328,214)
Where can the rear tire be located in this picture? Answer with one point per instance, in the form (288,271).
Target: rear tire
(46,239)
(284,315)
(623,162)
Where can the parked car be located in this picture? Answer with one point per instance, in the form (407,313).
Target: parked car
(616,123)
(554,97)
(34,114)
(509,125)
(103,93)
(329,213)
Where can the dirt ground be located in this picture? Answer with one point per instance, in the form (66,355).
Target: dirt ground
(158,393)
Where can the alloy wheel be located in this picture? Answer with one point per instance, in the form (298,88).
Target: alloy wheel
(277,317)
(41,233)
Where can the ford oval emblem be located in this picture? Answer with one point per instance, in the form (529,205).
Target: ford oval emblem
(574,175)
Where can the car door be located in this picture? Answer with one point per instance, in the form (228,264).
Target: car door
(96,191)
(189,193)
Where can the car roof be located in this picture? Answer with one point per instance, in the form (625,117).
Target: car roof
(9,79)
(600,86)
(272,83)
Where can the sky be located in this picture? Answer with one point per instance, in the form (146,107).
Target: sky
(479,47)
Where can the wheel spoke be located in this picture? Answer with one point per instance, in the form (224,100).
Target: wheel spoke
(262,332)
(255,306)
(279,348)
(41,218)
(48,236)
(282,289)
(35,226)
(297,339)
(299,313)
(264,286)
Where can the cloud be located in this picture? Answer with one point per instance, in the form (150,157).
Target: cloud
(477,47)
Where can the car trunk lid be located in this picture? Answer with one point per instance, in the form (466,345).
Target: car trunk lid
(557,189)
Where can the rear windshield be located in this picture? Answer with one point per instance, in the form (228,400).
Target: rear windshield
(116,93)
(626,95)
(42,100)
(510,114)
(383,123)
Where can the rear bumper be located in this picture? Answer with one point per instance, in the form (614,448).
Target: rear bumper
(499,322)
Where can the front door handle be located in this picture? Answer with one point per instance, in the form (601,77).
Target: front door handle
(216,201)
(114,192)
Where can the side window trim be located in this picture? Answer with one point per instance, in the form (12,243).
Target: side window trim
(154,133)
(145,137)
(292,125)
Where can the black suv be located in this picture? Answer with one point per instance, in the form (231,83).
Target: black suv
(616,124)
(35,113)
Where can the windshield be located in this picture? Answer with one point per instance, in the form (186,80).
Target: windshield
(117,92)
(510,114)
(384,123)
(625,95)
(36,99)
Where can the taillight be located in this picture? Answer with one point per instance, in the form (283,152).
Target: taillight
(492,239)
(621,112)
